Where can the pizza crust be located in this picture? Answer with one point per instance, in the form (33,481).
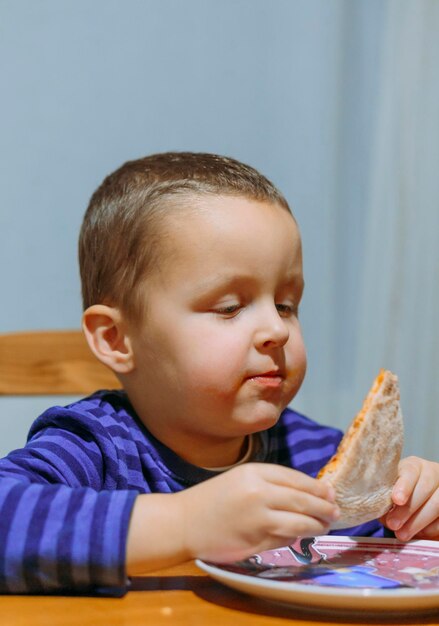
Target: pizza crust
(365,465)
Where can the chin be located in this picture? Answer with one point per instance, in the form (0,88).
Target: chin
(265,417)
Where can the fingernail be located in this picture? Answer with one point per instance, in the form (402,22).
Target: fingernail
(394,524)
(331,494)
(399,496)
(336,513)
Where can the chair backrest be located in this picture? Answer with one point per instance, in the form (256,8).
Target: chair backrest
(56,362)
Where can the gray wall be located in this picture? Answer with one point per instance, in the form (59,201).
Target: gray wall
(87,85)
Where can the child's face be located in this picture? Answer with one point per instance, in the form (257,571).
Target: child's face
(220,353)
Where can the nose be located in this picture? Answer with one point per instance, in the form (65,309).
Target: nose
(272,331)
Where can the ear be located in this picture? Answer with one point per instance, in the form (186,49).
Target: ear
(104,329)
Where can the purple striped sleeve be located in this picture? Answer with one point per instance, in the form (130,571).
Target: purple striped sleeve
(54,537)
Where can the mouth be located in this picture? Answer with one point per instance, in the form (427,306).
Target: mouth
(273,378)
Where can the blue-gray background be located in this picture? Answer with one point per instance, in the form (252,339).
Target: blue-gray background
(289,86)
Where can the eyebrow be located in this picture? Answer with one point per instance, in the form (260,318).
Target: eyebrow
(222,281)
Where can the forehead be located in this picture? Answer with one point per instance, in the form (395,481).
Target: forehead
(227,234)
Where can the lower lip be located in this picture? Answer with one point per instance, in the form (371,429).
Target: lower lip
(268,381)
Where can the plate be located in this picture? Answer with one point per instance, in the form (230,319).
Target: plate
(343,573)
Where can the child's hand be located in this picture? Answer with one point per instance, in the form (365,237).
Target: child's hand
(415,497)
(251,508)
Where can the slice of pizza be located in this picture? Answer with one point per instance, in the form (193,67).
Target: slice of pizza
(365,466)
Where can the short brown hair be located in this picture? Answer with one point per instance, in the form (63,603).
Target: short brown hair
(119,239)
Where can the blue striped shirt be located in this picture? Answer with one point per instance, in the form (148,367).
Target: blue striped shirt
(67,496)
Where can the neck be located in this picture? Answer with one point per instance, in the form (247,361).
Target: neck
(208,453)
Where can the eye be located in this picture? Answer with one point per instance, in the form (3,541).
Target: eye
(287,310)
(228,311)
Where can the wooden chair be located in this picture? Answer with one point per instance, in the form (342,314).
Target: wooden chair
(55,362)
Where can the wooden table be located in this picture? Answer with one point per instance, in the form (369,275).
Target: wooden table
(177,596)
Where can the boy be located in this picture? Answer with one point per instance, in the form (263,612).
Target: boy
(191,270)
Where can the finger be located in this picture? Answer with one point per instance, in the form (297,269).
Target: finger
(299,502)
(430,532)
(424,517)
(423,491)
(283,530)
(409,472)
(287,526)
(294,479)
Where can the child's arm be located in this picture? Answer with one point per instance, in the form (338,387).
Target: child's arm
(416,501)
(250,508)
(55,537)
(63,525)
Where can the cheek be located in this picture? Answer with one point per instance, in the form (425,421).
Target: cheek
(296,358)
(217,360)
